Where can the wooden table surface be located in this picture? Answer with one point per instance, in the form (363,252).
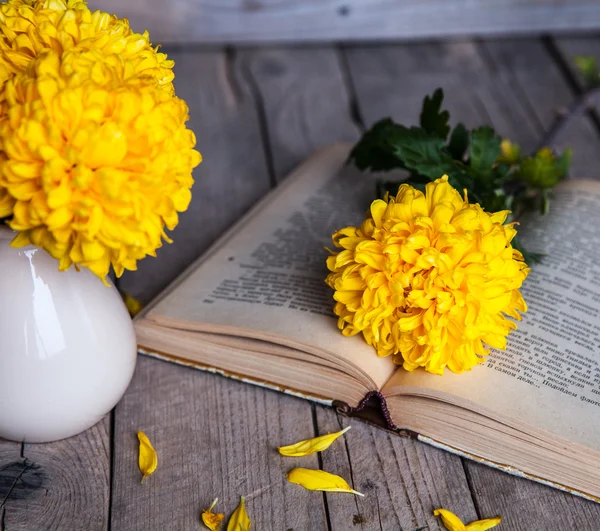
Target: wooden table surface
(257,113)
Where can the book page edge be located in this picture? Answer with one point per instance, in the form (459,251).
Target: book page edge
(236,376)
(509,469)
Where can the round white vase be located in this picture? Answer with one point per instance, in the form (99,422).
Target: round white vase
(67,346)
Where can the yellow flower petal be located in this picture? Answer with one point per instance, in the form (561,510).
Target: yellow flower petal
(239,520)
(450,520)
(319,480)
(453,523)
(212,520)
(482,525)
(311,446)
(147,460)
(133,305)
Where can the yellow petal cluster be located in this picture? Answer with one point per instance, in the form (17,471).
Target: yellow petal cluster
(31,27)
(429,279)
(95,157)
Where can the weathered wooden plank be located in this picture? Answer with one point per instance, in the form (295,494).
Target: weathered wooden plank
(392,81)
(214,438)
(10,468)
(571,47)
(517,95)
(232,176)
(403,480)
(305,102)
(60,485)
(530,74)
(242,21)
(527,505)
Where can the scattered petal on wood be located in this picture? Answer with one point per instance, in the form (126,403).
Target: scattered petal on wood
(319,480)
(482,525)
(453,523)
(212,520)
(133,305)
(147,460)
(239,520)
(311,446)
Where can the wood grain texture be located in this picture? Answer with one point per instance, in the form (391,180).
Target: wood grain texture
(240,21)
(403,480)
(571,47)
(527,505)
(11,466)
(392,81)
(214,438)
(529,69)
(304,100)
(568,48)
(61,485)
(514,86)
(232,176)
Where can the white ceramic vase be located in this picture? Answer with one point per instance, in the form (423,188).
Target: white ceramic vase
(67,346)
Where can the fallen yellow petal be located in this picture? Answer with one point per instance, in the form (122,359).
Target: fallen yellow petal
(450,520)
(147,460)
(239,520)
(482,525)
(133,305)
(453,523)
(212,520)
(319,480)
(311,446)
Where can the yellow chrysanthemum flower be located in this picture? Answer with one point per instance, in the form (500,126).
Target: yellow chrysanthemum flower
(429,279)
(30,27)
(95,158)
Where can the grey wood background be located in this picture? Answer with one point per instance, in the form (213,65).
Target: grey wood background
(242,21)
(257,113)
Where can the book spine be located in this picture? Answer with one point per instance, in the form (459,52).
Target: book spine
(373,409)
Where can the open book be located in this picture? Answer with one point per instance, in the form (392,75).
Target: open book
(256,307)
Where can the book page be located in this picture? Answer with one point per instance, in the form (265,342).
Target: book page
(549,376)
(268,274)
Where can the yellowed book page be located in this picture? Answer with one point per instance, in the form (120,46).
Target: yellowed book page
(268,274)
(549,376)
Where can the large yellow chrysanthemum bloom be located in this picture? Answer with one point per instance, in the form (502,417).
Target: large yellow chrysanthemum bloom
(429,279)
(95,157)
(30,27)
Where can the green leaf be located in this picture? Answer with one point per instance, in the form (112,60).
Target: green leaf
(563,163)
(588,67)
(433,120)
(424,155)
(459,142)
(485,149)
(374,151)
(544,170)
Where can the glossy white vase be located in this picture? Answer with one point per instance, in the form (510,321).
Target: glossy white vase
(67,346)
